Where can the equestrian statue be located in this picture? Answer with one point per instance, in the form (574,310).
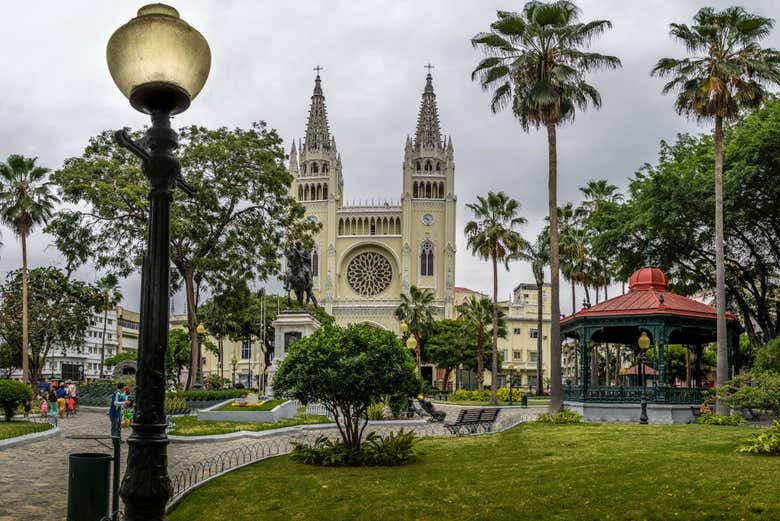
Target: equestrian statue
(298,277)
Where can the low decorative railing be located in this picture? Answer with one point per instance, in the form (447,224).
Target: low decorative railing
(634,394)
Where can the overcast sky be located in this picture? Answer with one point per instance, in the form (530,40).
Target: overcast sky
(56,92)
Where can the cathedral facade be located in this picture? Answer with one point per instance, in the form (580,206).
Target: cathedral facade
(367,255)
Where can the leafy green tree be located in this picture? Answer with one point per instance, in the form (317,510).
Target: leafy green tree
(727,71)
(538,255)
(597,194)
(124,356)
(448,345)
(477,316)
(12,394)
(233,228)
(347,370)
(178,355)
(25,202)
(537,65)
(110,297)
(60,311)
(768,357)
(755,392)
(416,311)
(10,359)
(493,237)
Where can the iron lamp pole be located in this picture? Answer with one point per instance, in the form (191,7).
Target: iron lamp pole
(509,369)
(644,345)
(201,331)
(160,63)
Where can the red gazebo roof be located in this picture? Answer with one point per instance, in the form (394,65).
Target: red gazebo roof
(649,371)
(648,295)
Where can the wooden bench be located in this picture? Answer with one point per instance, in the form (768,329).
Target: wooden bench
(472,421)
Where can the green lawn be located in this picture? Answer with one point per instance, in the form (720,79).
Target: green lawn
(266,406)
(191,426)
(20,428)
(533,472)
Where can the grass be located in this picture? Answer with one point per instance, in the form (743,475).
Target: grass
(20,428)
(191,426)
(577,472)
(265,406)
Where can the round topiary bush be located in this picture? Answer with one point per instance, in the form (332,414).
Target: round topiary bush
(12,394)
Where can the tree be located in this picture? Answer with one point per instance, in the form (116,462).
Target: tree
(110,297)
(477,316)
(12,394)
(25,202)
(493,237)
(728,71)
(768,357)
(10,359)
(448,345)
(538,255)
(537,65)
(178,355)
(60,312)
(347,370)
(416,310)
(233,228)
(124,356)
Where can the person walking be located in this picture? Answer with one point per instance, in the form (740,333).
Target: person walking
(52,402)
(115,410)
(61,395)
(73,393)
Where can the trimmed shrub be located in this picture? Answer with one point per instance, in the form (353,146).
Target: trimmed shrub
(175,405)
(209,396)
(377,451)
(463,395)
(764,442)
(709,418)
(559,418)
(12,394)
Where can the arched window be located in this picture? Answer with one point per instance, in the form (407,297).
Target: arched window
(300,193)
(418,166)
(341,226)
(438,166)
(304,169)
(315,263)
(319,192)
(441,190)
(415,192)
(306,193)
(426,259)
(428,166)
(372,227)
(314,168)
(324,168)
(435,191)
(325,191)
(427,190)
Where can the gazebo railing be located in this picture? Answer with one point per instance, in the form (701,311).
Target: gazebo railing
(634,394)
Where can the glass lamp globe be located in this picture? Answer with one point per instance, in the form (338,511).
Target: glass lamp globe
(644,341)
(404,327)
(158,61)
(201,329)
(411,342)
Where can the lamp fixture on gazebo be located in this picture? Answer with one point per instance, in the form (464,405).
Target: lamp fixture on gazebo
(644,341)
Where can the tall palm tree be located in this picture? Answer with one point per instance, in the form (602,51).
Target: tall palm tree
(416,310)
(536,63)
(493,237)
(726,70)
(567,221)
(597,193)
(538,255)
(110,297)
(26,200)
(477,316)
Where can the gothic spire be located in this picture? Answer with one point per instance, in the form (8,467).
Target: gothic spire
(428,132)
(317,133)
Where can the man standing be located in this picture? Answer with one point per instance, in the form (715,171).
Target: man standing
(115,410)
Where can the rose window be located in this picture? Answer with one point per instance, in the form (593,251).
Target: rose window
(369,273)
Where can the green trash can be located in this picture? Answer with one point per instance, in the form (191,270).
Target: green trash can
(524,400)
(88,486)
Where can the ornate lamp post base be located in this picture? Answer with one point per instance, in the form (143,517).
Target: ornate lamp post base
(643,414)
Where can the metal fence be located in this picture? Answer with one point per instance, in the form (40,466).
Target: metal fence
(34,418)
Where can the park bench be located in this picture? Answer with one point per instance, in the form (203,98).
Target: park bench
(472,421)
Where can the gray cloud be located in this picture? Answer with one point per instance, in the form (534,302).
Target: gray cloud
(56,93)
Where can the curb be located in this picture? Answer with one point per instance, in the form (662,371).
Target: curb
(29,438)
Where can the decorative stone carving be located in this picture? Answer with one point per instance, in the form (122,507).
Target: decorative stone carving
(369,273)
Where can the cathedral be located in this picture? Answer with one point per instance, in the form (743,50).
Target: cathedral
(367,255)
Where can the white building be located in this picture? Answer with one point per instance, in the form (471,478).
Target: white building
(83,363)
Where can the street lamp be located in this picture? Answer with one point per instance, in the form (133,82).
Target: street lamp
(509,368)
(404,328)
(160,63)
(201,331)
(644,344)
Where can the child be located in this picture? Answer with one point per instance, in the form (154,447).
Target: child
(27,408)
(44,407)
(70,403)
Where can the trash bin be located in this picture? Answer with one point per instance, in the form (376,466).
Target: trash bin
(88,486)
(524,400)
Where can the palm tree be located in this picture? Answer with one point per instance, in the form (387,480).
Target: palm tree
(597,193)
(567,221)
(110,297)
(477,316)
(537,65)
(538,255)
(726,71)
(25,201)
(493,237)
(416,310)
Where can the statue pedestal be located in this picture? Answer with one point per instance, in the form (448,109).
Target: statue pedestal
(289,326)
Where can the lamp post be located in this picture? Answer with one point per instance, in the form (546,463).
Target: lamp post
(644,345)
(201,331)
(509,368)
(160,63)
(234,362)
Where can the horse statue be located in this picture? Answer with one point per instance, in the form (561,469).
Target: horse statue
(298,276)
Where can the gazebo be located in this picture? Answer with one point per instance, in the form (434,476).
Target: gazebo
(649,309)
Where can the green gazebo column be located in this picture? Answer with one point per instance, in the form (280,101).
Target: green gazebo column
(584,363)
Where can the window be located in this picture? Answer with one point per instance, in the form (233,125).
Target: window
(517,355)
(315,263)
(110,321)
(534,333)
(426,259)
(516,331)
(533,356)
(246,349)
(372,229)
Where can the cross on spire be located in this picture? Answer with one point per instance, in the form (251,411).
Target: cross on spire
(317,69)
(429,67)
